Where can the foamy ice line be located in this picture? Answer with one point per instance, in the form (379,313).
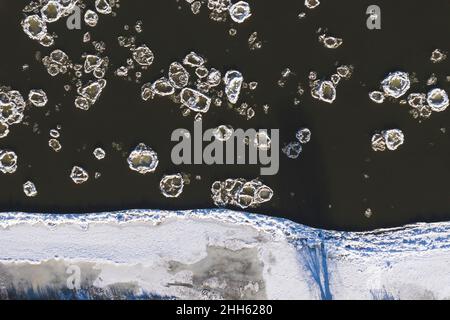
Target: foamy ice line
(215,254)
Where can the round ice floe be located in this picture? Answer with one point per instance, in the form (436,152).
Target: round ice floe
(417,100)
(330,42)
(51,11)
(178,76)
(79,175)
(162,87)
(143,55)
(99,153)
(29,189)
(303,135)
(396,84)
(171,186)
(311,4)
(292,150)
(91,18)
(8,161)
(324,91)
(55,145)
(103,6)
(143,159)
(193,60)
(38,98)
(437,99)
(34,27)
(223,132)
(394,138)
(240,11)
(376,96)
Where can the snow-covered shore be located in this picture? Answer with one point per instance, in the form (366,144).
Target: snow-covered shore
(221,254)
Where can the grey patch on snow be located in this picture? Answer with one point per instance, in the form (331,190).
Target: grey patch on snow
(226,274)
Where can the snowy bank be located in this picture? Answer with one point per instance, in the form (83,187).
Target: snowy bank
(221,254)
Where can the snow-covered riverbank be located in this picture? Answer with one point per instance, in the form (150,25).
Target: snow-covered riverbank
(219,254)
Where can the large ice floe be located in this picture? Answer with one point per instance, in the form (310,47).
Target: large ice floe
(215,254)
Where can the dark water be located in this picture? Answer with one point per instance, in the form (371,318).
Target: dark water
(325,187)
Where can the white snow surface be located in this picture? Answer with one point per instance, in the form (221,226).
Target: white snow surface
(174,253)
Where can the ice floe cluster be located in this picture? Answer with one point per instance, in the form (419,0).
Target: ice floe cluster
(40,14)
(240,193)
(197,87)
(397,84)
(221,10)
(325,90)
(143,159)
(390,140)
(293,149)
(172,185)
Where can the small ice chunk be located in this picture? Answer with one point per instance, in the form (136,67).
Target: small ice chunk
(79,175)
(193,60)
(92,62)
(438,56)
(437,99)
(171,186)
(34,27)
(394,138)
(368,213)
(330,42)
(223,132)
(92,90)
(376,96)
(233,83)
(303,135)
(103,6)
(262,140)
(240,11)
(195,100)
(378,142)
(8,161)
(143,159)
(292,150)
(38,98)
(162,87)
(30,189)
(143,55)
(51,11)
(201,72)
(178,76)
(55,145)
(214,78)
(54,133)
(311,4)
(324,91)
(82,103)
(396,84)
(91,18)
(4,129)
(417,100)
(99,153)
